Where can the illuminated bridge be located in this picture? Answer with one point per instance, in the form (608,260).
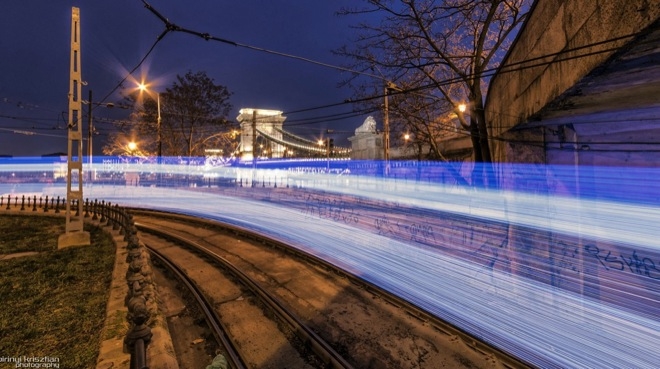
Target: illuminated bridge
(265,126)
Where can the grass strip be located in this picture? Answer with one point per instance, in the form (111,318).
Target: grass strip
(53,304)
(20,233)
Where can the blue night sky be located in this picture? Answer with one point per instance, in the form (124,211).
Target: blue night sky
(115,35)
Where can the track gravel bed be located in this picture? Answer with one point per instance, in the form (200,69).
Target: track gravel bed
(366,330)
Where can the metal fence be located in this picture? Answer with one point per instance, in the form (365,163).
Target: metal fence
(140,296)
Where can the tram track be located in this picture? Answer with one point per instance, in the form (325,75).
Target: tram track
(322,327)
(211,317)
(330,358)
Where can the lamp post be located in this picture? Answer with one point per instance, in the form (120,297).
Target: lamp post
(143,87)
(160,141)
(386,129)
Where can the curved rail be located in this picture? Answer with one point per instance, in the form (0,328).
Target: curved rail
(235,359)
(507,360)
(322,349)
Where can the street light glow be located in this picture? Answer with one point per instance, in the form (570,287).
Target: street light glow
(462,107)
(132,146)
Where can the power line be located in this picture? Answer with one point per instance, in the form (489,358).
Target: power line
(314,120)
(131,71)
(169,27)
(488,72)
(329,118)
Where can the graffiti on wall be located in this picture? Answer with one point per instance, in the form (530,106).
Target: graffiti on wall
(632,262)
(330,208)
(415,231)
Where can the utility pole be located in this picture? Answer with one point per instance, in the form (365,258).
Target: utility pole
(254,139)
(74,234)
(327,155)
(159,160)
(386,128)
(160,140)
(327,150)
(90,129)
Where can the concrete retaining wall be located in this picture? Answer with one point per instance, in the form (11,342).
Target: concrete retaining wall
(554,27)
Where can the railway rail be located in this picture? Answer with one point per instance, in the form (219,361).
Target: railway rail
(323,350)
(341,332)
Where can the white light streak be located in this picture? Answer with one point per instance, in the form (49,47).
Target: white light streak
(555,279)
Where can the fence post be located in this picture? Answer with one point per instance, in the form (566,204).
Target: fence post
(115,218)
(95,210)
(102,220)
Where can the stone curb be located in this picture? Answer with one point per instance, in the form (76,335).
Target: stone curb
(112,351)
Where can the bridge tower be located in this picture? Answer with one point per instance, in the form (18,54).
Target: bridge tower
(260,123)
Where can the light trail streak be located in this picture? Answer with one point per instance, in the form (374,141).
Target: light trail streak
(557,279)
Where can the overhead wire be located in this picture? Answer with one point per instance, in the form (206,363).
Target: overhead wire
(132,70)
(169,27)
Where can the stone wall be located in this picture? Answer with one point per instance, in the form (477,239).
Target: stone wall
(539,66)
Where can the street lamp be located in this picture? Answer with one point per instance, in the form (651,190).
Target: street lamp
(459,112)
(143,88)
(328,142)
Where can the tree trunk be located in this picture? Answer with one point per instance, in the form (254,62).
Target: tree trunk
(482,130)
(483,161)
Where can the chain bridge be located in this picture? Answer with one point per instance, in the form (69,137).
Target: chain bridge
(262,135)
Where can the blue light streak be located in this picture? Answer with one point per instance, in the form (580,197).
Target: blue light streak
(560,267)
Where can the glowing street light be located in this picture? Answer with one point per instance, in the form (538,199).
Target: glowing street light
(142,87)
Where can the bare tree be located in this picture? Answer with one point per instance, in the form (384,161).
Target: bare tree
(441,48)
(126,144)
(132,136)
(194,109)
(193,118)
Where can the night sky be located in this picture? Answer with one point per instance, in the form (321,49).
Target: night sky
(115,35)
